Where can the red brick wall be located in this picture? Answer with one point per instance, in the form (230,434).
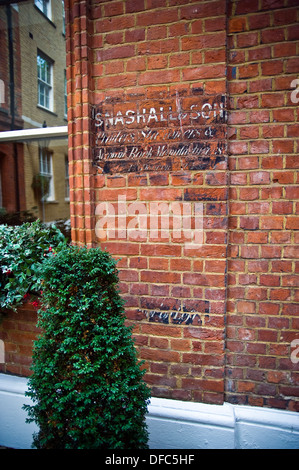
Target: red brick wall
(262,306)
(239,287)
(215,323)
(18,330)
(151,55)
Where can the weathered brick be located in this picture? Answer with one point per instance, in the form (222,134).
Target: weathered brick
(173,50)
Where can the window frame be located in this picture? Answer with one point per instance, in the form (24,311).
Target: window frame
(63,17)
(65,95)
(41,4)
(46,153)
(48,85)
(67,179)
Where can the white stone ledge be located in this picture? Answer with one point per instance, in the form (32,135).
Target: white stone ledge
(172,424)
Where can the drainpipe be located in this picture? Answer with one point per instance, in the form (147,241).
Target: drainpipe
(12,100)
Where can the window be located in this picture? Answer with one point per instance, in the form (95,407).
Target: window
(46,172)
(44,77)
(65,95)
(63,18)
(44,6)
(67,179)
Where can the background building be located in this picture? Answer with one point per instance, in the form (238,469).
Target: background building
(36,30)
(12,194)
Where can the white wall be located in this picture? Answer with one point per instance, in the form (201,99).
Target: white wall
(185,425)
(172,424)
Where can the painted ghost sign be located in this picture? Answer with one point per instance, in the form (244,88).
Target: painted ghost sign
(171,134)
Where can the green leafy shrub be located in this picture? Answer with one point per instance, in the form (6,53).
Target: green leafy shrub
(23,250)
(87,387)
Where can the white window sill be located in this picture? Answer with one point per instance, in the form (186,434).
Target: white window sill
(43,108)
(50,201)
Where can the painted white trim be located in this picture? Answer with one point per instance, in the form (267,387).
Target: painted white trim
(172,424)
(14,431)
(30,121)
(34,134)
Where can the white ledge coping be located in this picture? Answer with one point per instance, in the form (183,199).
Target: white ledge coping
(162,408)
(287,420)
(173,424)
(57,132)
(13,384)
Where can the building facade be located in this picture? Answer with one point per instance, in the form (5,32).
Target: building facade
(194,105)
(12,194)
(40,72)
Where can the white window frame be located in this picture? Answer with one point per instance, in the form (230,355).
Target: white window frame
(45,82)
(45,7)
(63,18)
(65,95)
(46,170)
(67,179)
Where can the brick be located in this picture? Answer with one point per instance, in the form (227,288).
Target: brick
(162,46)
(259,116)
(113,8)
(160,330)
(259,21)
(272,35)
(282,207)
(247,6)
(215,8)
(237,24)
(159,355)
(117,52)
(293,32)
(272,67)
(283,146)
(133,6)
(284,49)
(272,100)
(136,64)
(261,177)
(154,77)
(214,24)
(159,62)
(267,308)
(160,17)
(246,307)
(114,24)
(203,72)
(248,71)
(247,39)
